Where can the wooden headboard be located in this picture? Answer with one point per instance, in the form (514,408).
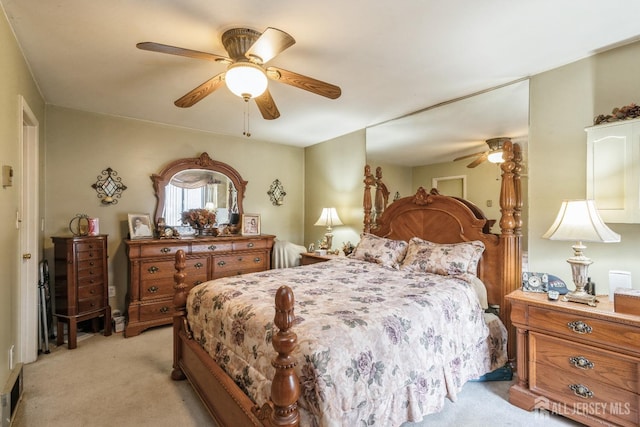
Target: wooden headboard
(444,219)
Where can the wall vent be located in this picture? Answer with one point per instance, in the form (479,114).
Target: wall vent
(11,395)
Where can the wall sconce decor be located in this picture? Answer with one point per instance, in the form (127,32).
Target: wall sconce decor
(109,186)
(276,193)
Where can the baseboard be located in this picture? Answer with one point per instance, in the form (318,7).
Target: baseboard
(11,396)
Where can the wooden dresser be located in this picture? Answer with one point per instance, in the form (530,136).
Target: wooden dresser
(312,258)
(152,265)
(81,284)
(577,361)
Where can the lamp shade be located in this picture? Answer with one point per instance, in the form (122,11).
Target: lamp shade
(328,218)
(246,80)
(579,221)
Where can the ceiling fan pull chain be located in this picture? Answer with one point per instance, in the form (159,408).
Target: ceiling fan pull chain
(247,131)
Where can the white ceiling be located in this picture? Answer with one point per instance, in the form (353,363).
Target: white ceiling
(389,58)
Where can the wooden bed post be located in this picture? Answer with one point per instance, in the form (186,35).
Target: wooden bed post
(382,195)
(510,235)
(369,180)
(179,302)
(285,387)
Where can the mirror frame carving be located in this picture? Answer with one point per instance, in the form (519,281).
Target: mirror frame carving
(161,179)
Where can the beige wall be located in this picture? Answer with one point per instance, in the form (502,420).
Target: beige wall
(334,171)
(81,145)
(15,81)
(563,102)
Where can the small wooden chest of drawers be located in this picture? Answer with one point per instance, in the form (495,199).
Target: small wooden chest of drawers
(578,361)
(152,265)
(81,284)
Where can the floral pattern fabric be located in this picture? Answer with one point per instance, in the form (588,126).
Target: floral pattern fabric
(374,343)
(444,259)
(383,251)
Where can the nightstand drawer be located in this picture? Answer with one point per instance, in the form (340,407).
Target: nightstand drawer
(592,363)
(586,329)
(578,394)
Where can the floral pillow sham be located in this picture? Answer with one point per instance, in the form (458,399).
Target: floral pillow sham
(446,259)
(380,250)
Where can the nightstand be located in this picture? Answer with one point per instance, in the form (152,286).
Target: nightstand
(312,258)
(574,360)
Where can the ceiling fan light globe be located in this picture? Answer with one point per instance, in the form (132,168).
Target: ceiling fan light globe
(246,80)
(495,157)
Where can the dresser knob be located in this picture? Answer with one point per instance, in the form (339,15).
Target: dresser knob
(221,263)
(92,291)
(198,265)
(92,263)
(257,260)
(153,269)
(164,309)
(212,248)
(153,289)
(581,390)
(165,250)
(581,362)
(250,244)
(580,327)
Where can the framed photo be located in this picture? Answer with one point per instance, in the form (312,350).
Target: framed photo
(250,224)
(140,226)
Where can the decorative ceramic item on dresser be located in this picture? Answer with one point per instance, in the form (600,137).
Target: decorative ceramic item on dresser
(575,360)
(220,189)
(81,285)
(109,187)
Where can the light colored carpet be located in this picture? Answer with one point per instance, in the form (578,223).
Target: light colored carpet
(113,381)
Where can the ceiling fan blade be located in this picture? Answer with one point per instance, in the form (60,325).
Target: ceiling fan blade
(479,160)
(201,91)
(270,43)
(172,50)
(267,106)
(469,155)
(303,82)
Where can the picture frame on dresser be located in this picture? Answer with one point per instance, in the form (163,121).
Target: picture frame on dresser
(250,225)
(140,226)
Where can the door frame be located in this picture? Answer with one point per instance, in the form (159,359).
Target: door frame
(27,221)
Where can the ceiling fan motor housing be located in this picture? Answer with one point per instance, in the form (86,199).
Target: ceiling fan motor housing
(237,42)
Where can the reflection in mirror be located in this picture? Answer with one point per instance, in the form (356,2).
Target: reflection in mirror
(198,183)
(199,188)
(416,148)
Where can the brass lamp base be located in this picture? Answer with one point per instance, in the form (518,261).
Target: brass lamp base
(581,297)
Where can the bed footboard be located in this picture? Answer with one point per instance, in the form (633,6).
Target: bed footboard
(226,402)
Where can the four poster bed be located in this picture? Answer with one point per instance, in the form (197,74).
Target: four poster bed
(382,335)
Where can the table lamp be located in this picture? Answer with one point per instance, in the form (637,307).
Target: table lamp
(578,221)
(328,218)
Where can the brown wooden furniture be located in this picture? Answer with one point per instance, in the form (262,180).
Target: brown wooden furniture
(151,269)
(312,258)
(81,284)
(578,361)
(432,217)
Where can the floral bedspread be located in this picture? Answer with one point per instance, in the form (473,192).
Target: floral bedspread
(374,344)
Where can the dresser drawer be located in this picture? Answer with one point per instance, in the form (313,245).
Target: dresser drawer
(590,397)
(240,263)
(157,310)
(586,329)
(85,292)
(243,245)
(162,249)
(90,275)
(592,363)
(223,246)
(90,304)
(97,254)
(88,246)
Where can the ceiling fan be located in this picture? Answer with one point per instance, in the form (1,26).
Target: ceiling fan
(494,154)
(246,74)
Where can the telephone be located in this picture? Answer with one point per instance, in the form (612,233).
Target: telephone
(542,282)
